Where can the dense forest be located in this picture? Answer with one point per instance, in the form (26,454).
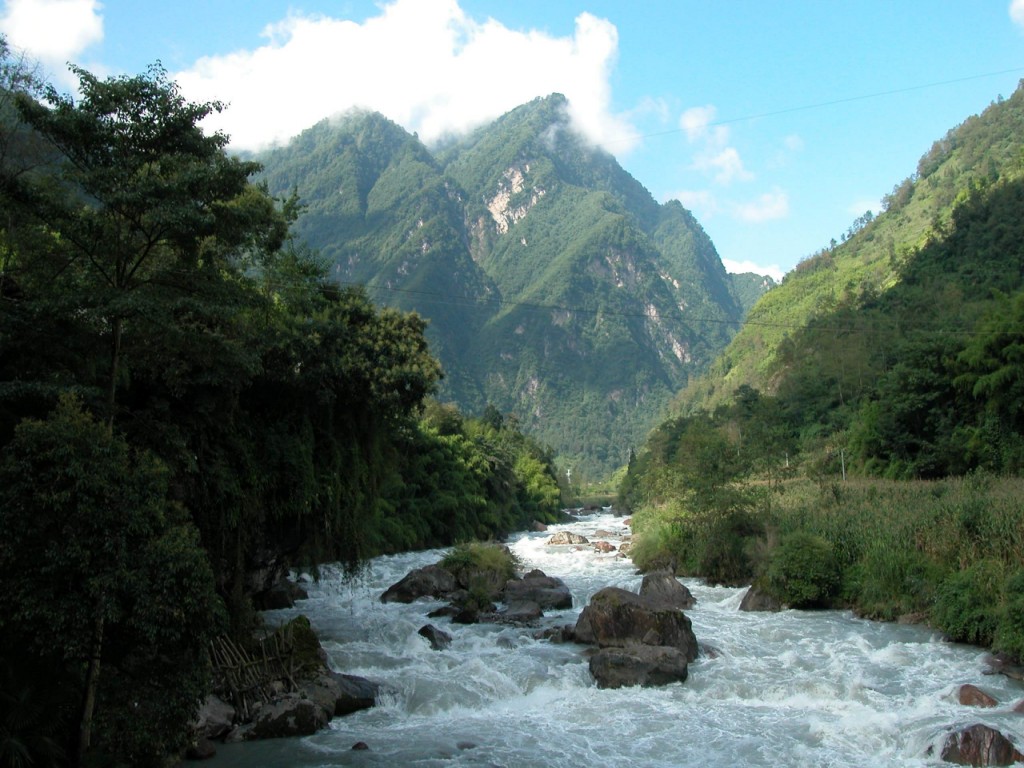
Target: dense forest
(189,406)
(859,442)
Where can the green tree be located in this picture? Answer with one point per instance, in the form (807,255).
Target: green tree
(102,572)
(138,199)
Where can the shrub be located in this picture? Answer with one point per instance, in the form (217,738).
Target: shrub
(1009,636)
(726,556)
(482,569)
(967,605)
(889,582)
(802,571)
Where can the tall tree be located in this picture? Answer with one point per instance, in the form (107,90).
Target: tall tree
(140,199)
(95,557)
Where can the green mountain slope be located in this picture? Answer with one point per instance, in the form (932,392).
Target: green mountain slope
(556,287)
(873,257)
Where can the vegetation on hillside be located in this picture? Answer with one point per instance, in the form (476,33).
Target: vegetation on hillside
(556,287)
(860,442)
(188,401)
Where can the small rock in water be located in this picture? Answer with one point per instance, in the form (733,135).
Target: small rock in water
(972,696)
(567,537)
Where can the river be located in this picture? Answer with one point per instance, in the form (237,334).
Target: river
(794,688)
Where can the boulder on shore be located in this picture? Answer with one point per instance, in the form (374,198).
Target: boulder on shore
(429,581)
(289,716)
(756,600)
(663,587)
(979,745)
(617,617)
(642,665)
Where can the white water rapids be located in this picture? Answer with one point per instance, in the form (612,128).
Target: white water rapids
(793,688)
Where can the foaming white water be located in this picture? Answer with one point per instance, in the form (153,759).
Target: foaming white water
(785,689)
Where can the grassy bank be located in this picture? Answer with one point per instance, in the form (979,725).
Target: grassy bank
(947,552)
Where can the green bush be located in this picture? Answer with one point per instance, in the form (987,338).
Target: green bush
(889,582)
(1009,637)
(726,557)
(481,569)
(968,603)
(802,571)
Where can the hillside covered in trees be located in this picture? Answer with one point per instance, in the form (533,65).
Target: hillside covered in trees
(188,406)
(859,443)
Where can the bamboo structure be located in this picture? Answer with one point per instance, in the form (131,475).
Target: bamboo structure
(248,677)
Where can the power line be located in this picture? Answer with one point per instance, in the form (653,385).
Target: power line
(822,104)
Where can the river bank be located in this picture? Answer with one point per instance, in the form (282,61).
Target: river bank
(785,688)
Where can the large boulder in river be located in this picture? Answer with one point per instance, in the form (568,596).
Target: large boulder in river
(617,617)
(638,665)
(429,581)
(340,694)
(979,745)
(536,586)
(664,587)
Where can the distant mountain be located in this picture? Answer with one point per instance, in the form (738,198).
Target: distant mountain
(557,288)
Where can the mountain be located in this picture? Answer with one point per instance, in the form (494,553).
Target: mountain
(873,254)
(557,289)
(901,344)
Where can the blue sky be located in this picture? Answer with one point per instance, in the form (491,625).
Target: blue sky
(777,122)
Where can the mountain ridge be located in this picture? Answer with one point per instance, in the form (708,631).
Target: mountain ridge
(558,290)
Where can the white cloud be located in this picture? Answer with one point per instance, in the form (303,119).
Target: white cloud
(1017,12)
(695,121)
(767,207)
(53,32)
(423,63)
(793,143)
(726,166)
(739,267)
(715,157)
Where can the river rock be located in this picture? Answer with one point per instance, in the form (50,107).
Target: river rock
(979,745)
(604,546)
(972,696)
(638,665)
(538,526)
(617,617)
(663,587)
(521,612)
(339,695)
(429,581)
(215,718)
(567,537)
(546,591)
(756,600)
(291,716)
(203,749)
(438,638)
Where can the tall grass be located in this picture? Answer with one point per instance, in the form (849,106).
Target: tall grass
(949,552)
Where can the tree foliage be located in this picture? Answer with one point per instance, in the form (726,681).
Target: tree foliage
(188,401)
